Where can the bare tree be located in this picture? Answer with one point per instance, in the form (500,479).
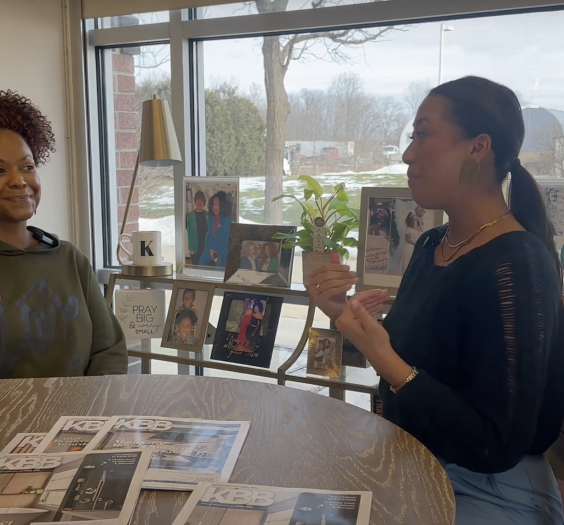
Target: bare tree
(257,96)
(278,53)
(153,57)
(390,118)
(414,95)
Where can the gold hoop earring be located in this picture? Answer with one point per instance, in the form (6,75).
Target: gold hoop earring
(470,172)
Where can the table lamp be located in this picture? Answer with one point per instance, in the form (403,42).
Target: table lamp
(158,148)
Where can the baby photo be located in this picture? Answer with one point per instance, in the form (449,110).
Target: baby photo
(186,322)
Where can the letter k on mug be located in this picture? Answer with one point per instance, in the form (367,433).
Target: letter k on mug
(146,248)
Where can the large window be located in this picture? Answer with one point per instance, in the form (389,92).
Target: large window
(335,104)
(271,100)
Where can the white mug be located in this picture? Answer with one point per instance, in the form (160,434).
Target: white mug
(146,248)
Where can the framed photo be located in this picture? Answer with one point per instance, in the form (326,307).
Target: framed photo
(211,205)
(325,352)
(246,330)
(553,192)
(254,257)
(187,321)
(390,225)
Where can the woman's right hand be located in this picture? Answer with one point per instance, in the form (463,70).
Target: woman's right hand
(328,286)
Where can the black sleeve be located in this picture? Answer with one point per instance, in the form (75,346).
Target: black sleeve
(487,419)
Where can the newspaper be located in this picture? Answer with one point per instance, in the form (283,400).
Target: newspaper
(87,487)
(25,443)
(212,503)
(71,434)
(185,451)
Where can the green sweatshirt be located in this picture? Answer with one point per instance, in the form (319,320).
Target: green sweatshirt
(54,320)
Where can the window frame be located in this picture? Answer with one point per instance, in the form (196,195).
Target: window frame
(185,35)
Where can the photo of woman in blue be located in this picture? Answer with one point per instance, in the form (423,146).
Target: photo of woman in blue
(219,225)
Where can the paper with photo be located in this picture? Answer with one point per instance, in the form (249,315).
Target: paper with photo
(185,451)
(24,443)
(72,434)
(82,487)
(283,506)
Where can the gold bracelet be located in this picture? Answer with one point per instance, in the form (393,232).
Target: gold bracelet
(408,379)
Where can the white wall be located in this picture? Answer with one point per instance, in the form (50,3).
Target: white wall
(31,62)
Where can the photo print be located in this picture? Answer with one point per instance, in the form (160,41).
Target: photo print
(187,321)
(247,328)
(553,193)
(211,206)
(255,258)
(325,352)
(391,225)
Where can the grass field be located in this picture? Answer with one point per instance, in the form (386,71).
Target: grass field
(159,201)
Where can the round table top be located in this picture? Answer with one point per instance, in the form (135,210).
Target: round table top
(296,438)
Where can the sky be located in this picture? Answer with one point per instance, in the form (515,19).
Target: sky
(525,52)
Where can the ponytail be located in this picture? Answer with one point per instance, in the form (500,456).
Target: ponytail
(528,207)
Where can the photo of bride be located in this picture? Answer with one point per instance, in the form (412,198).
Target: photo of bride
(409,220)
(392,223)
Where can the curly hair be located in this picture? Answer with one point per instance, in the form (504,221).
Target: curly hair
(20,115)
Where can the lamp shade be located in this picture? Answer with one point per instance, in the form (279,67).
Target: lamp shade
(159,144)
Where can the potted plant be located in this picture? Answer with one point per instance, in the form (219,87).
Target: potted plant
(338,218)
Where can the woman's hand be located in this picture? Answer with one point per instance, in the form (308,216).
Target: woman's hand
(328,286)
(361,329)
(373,341)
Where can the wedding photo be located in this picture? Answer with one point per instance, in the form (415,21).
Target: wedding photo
(211,207)
(391,225)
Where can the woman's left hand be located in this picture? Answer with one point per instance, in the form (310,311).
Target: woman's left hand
(360,328)
(373,341)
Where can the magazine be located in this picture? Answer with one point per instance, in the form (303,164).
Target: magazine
(212,503)
(25,443)
(185,451)
(71,434)
(78,486)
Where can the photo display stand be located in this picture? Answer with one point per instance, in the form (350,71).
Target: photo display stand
(290,367)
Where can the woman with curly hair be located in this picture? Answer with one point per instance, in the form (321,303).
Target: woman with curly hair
(54,320)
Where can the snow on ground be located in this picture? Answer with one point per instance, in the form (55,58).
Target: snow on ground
(393,169)
(354,181)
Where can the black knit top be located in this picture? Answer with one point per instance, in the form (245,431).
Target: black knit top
(486,333)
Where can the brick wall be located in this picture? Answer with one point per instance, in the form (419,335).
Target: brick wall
(126,136)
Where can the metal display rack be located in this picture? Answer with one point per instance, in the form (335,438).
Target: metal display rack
(288,364)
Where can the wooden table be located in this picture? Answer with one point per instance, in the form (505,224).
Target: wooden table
(296,438)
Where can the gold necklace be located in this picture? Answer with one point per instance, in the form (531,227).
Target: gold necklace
(457,247)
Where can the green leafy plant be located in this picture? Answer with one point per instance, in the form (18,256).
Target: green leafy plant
(339,218)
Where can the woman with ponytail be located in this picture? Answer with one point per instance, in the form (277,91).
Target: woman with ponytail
(471,355)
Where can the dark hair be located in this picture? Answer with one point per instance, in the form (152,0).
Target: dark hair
(259,305)
(410,220)
(200,196)
(225,204)
(20,115)
(189,290)
(480,106)
(186,314)
(272,249)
